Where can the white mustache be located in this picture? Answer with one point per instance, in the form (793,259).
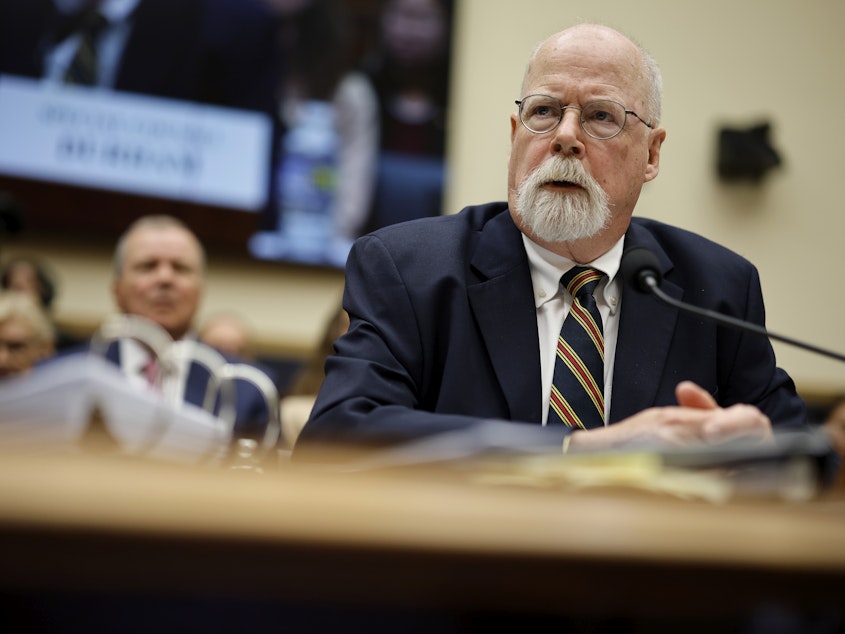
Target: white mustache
(562,169)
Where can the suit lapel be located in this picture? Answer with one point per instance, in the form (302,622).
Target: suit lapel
(502,302)
(646,328)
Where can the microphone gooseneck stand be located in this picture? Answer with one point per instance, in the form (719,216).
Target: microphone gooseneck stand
(641,270)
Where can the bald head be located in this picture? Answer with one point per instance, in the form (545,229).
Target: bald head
(602,42)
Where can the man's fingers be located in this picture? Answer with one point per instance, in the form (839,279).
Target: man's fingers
(738,421)
(691,395)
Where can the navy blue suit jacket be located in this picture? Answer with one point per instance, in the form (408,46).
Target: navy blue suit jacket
(444,332)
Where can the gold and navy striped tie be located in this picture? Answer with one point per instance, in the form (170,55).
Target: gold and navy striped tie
(577,397)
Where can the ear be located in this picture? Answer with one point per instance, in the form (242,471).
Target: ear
(514,126)
(656,139)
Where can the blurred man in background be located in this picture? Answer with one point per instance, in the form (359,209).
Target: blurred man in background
(159,274)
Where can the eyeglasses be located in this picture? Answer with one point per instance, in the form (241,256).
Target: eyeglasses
(600,119)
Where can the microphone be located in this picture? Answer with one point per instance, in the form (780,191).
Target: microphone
(641,270)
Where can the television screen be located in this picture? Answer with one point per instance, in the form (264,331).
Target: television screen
(282,129)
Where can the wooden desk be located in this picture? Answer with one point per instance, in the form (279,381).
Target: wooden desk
(407,542)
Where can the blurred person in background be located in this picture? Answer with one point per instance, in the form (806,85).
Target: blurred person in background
(297,403)
(159,274)
(409,68)
(142,46)
(26,333)
(327,112)
(29,275)
(309,380)
(228,333)
(32,275)
(210,51)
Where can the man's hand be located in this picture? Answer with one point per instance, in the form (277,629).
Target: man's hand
(696,420)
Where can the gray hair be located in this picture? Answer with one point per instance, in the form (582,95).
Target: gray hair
(654,78)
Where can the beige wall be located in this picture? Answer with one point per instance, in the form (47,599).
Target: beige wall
(723,62)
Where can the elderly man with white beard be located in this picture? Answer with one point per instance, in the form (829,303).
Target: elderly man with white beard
(460,319)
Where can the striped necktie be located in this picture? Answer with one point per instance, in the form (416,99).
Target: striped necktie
(84,68)
(577,397)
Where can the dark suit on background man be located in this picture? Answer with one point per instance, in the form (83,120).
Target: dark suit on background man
(211,51)
(447,335)
(161,55)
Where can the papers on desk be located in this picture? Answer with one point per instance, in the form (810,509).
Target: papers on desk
(793,467)
(80,398)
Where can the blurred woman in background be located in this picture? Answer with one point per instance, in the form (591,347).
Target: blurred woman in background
(26,333)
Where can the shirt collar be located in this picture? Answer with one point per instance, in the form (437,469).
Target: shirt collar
(548,267)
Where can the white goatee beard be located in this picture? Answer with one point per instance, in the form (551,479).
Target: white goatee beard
(562,216)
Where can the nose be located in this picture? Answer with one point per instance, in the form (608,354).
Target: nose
(164,273)
(568,139)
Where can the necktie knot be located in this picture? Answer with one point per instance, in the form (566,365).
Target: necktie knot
(93,22)
(581,281)
(85,21)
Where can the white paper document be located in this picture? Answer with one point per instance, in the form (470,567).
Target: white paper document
(55,406)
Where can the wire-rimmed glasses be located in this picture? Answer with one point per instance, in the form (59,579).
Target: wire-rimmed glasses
(600,119)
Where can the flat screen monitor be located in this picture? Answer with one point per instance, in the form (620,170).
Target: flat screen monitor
(279,129)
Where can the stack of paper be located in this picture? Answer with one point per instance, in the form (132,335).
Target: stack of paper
(65,403)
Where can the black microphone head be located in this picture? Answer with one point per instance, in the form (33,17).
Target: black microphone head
(637,265)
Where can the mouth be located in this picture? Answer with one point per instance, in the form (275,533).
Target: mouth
(562,185)
(163,304)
